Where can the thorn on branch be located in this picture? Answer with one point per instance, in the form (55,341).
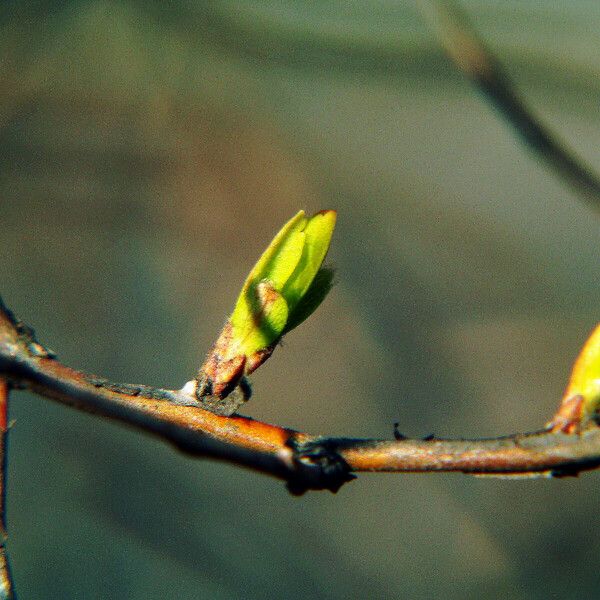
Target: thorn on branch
(397,434)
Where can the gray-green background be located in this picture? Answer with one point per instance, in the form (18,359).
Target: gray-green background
(149,151)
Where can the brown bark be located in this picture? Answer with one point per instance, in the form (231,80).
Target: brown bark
(304,461)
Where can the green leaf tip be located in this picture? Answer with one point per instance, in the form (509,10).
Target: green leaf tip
(585,376)
(284,287)
(580,404)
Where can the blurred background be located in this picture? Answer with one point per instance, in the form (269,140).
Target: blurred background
(150,150)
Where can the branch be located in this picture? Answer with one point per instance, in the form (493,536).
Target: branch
(303,461)
(6,585)
(471,56)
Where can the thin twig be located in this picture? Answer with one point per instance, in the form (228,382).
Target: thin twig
(6,585)
(470,54)
(304,461)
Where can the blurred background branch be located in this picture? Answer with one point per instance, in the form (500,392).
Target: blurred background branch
(473,57)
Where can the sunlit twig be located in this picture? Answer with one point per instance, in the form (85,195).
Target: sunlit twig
(303,461)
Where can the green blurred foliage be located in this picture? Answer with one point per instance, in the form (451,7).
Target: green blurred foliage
(148,150)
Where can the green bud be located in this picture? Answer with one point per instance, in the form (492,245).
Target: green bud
(585,376)
(285,286)
(581,401)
